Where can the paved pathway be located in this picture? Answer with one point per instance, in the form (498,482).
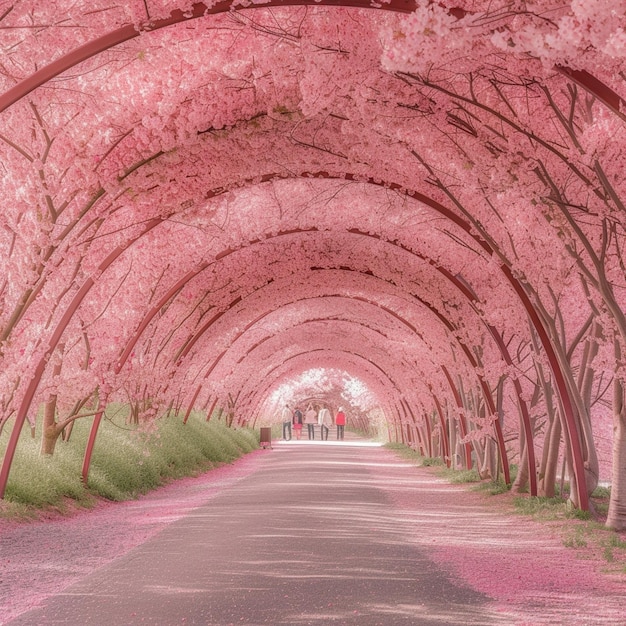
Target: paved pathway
(323,533)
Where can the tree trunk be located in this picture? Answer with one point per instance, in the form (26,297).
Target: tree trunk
(550,456)
(521,480)
(67,432)
(133,416)
(585,384)
(436,445)
(50,432)
(616,517)
(583,431)
(454,453)
(573,479)
(548,480)
(489,465)
(479,451)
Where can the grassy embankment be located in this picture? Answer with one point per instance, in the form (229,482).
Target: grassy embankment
(127,461)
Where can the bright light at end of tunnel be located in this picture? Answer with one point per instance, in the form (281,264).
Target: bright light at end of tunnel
(331,387)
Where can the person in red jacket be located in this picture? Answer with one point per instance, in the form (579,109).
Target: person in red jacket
(340,421)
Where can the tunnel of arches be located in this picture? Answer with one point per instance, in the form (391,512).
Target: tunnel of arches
(213,207)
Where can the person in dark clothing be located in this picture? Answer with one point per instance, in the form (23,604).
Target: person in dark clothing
(298,420)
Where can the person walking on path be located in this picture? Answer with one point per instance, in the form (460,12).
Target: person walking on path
(325,421)
(310,419)
(340,421)
(297,422)
(286,417)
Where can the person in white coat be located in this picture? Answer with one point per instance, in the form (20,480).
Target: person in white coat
(325,421)
(286,417)
(310,419)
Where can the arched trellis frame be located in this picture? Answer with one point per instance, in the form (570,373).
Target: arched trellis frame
(571,429)
(466,351)
(455,280)
(258,380)
(176,288)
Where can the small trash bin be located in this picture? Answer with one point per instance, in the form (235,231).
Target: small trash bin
(266,438)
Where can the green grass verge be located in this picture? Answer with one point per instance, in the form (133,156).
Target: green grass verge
(579,530)
(459,476)
(126,462)
(408,453)
(493,487)
(541,508)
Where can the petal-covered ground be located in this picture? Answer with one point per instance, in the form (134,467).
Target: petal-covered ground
(526,566)
(39,559)
(521,564)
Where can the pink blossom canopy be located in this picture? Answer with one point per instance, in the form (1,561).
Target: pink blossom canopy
(202,202)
